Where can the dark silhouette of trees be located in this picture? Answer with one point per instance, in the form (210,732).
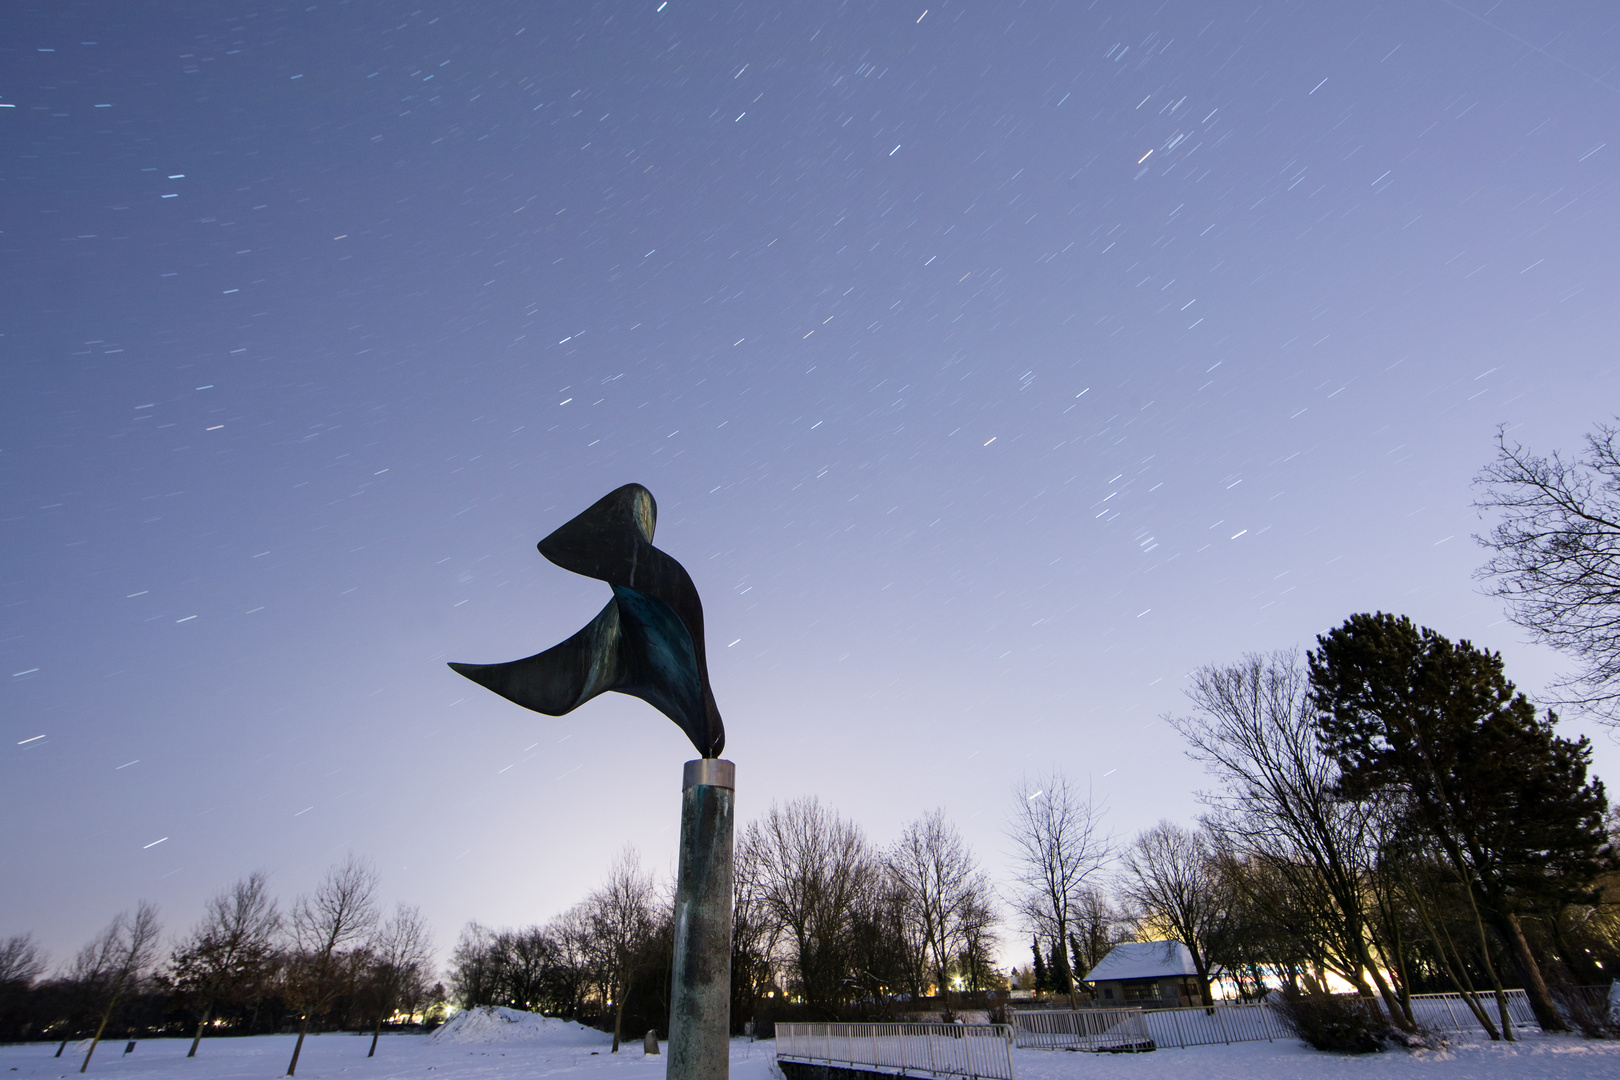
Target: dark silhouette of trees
(1506,801)
(399,953)
(339,914)
(1308,849)
(1059,843)
(229,950)
(22,962)
(755,933)
(818,878)
(110,968)
(975,957)
(942,895)
(1172,878)
(546,969)
(622,921)
(1095,928)
(477,975)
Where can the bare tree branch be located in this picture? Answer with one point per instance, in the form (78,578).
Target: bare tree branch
(113,964)
(1172,878)
(338,914)
(1555,557)
(232,943)
(1059,842)
(944,895)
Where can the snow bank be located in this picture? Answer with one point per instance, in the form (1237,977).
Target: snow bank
(492,1024)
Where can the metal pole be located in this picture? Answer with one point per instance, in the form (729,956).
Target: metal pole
(700,992)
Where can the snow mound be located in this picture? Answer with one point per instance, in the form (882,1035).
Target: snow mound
(497,1024)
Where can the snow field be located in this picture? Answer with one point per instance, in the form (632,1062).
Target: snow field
(503,1044)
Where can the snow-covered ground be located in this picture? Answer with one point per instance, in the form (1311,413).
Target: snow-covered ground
(494,1046)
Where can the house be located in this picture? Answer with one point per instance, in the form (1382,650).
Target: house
(1147,974)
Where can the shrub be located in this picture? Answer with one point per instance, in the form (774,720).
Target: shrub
(1343,1023)
(1587,1007)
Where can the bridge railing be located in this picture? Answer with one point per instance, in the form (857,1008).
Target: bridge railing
(1081,1029)
(940,1051)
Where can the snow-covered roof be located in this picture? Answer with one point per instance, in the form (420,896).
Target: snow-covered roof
(1143,960)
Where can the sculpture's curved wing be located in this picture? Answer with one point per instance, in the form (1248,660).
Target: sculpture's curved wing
(563,677)
(647,642)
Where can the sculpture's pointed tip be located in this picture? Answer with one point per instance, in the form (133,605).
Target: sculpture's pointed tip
(494,677)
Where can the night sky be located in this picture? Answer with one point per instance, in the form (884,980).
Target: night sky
(994,365)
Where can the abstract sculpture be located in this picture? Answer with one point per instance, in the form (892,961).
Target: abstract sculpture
(648,642)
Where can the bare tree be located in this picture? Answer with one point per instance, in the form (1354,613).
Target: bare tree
(475,975)
(530,956)
(1555,556)
(976,961)
(817,877)
(229,947)
(1095,927)
(621,919)
(572,932)
(401,950)
(112,965)
(942,891)
(755,931)
(1171,877)
(1059,843)
(338,914)
(1254,728)
(21,961)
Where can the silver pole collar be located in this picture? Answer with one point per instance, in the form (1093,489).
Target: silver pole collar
(709,772)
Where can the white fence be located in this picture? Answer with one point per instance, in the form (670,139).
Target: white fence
(1221,1025)
(1082,1029)
(1113,1029)
(969,1051)
(1450,1011)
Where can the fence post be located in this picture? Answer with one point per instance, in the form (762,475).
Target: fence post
(1222,1021)
(1181,1040)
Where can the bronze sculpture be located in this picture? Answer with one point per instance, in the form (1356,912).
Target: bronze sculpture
(647,641)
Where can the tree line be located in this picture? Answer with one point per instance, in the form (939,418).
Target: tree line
(332,960)
(1389,811)
(824,924)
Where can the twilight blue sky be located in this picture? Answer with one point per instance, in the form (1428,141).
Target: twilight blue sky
(993,364)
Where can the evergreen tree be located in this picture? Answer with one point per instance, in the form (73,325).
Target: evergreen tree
(1057,968)
(1042,983)
(1405,711)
